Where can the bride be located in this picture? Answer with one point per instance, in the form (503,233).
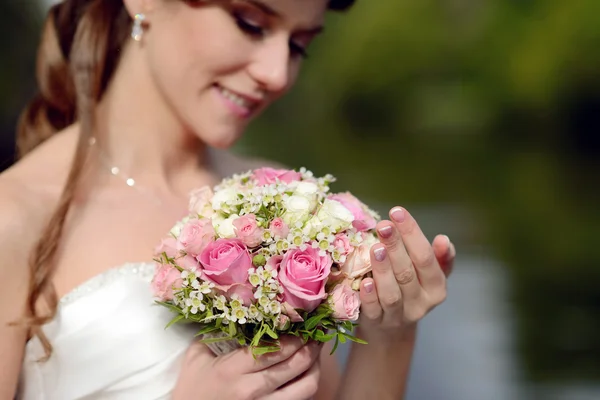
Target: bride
(138,102)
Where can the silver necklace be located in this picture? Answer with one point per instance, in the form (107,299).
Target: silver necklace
(117,172)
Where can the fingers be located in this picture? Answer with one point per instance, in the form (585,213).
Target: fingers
(388,291)
(400,261)
(278,375)
(370,308)
(445,253)
(419,249)
(305,387)
(242,361)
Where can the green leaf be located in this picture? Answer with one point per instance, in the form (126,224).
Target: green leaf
(323,337)
(170,306)
(258,335)
(270,332)
(335,346)
(232,329)
(312,322)
(208,329)
(355,339)
(174,320)
(342,337)
(217,339)
(258,351)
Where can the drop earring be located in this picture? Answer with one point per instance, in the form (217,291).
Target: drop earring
(137,30)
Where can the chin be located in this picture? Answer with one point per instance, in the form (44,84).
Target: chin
(222,141)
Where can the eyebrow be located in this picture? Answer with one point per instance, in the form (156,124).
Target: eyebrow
(267,9)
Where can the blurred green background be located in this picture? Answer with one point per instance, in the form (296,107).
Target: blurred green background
(484,115)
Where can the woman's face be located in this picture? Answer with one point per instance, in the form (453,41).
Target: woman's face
(217,64)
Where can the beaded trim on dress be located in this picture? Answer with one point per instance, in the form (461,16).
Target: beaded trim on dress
(144,270)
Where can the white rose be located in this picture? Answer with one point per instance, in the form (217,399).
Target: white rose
(223,196)
(312,227)
(224,226)
(335,215)
(308,190)
(297,209)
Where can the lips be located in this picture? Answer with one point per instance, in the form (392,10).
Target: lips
(240,103)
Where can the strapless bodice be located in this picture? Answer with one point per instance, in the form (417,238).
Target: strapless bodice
(109,342)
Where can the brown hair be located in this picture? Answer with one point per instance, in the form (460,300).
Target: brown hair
(77,56)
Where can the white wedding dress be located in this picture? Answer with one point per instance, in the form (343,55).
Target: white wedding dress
(109,341)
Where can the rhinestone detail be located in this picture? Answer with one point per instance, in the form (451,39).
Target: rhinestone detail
(144,270)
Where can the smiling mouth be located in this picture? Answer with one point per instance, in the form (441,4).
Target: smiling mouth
(243,102)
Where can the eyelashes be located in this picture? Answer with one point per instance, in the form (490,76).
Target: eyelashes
(256,31)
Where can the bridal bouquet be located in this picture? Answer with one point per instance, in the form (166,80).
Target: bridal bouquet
(266,253)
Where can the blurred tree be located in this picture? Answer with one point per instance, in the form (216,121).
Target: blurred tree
(490,105)
(19,32)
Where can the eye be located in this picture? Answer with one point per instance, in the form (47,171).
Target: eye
(248,27)
(298,50)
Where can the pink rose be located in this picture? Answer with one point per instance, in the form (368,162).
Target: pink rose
(274,262)
(195,235)
(248,231)
(278,228)
(267,176)
(342,244)
(244,291)
(303,274)
(200,201)
(363,220)
(168,246)
(166,279)
(345,302)
(225,262)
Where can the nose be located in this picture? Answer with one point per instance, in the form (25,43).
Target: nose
(271,65)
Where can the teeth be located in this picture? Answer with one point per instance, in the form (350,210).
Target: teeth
(240,101)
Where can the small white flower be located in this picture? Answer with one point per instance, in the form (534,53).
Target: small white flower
(206,287)
(254,279)
(254,313)
(195,304)
(219,303)
(239,314)
(263,301)
(275,307)
(235,301)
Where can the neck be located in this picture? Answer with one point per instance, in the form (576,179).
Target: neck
(141,136)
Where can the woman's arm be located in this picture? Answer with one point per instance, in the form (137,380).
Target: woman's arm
(14,277)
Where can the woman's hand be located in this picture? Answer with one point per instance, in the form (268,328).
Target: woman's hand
(290,374)
(409,278)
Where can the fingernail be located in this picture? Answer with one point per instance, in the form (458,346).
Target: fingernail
(379,253)
(397,214)
(447,239)
(385,231)
(369,287)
